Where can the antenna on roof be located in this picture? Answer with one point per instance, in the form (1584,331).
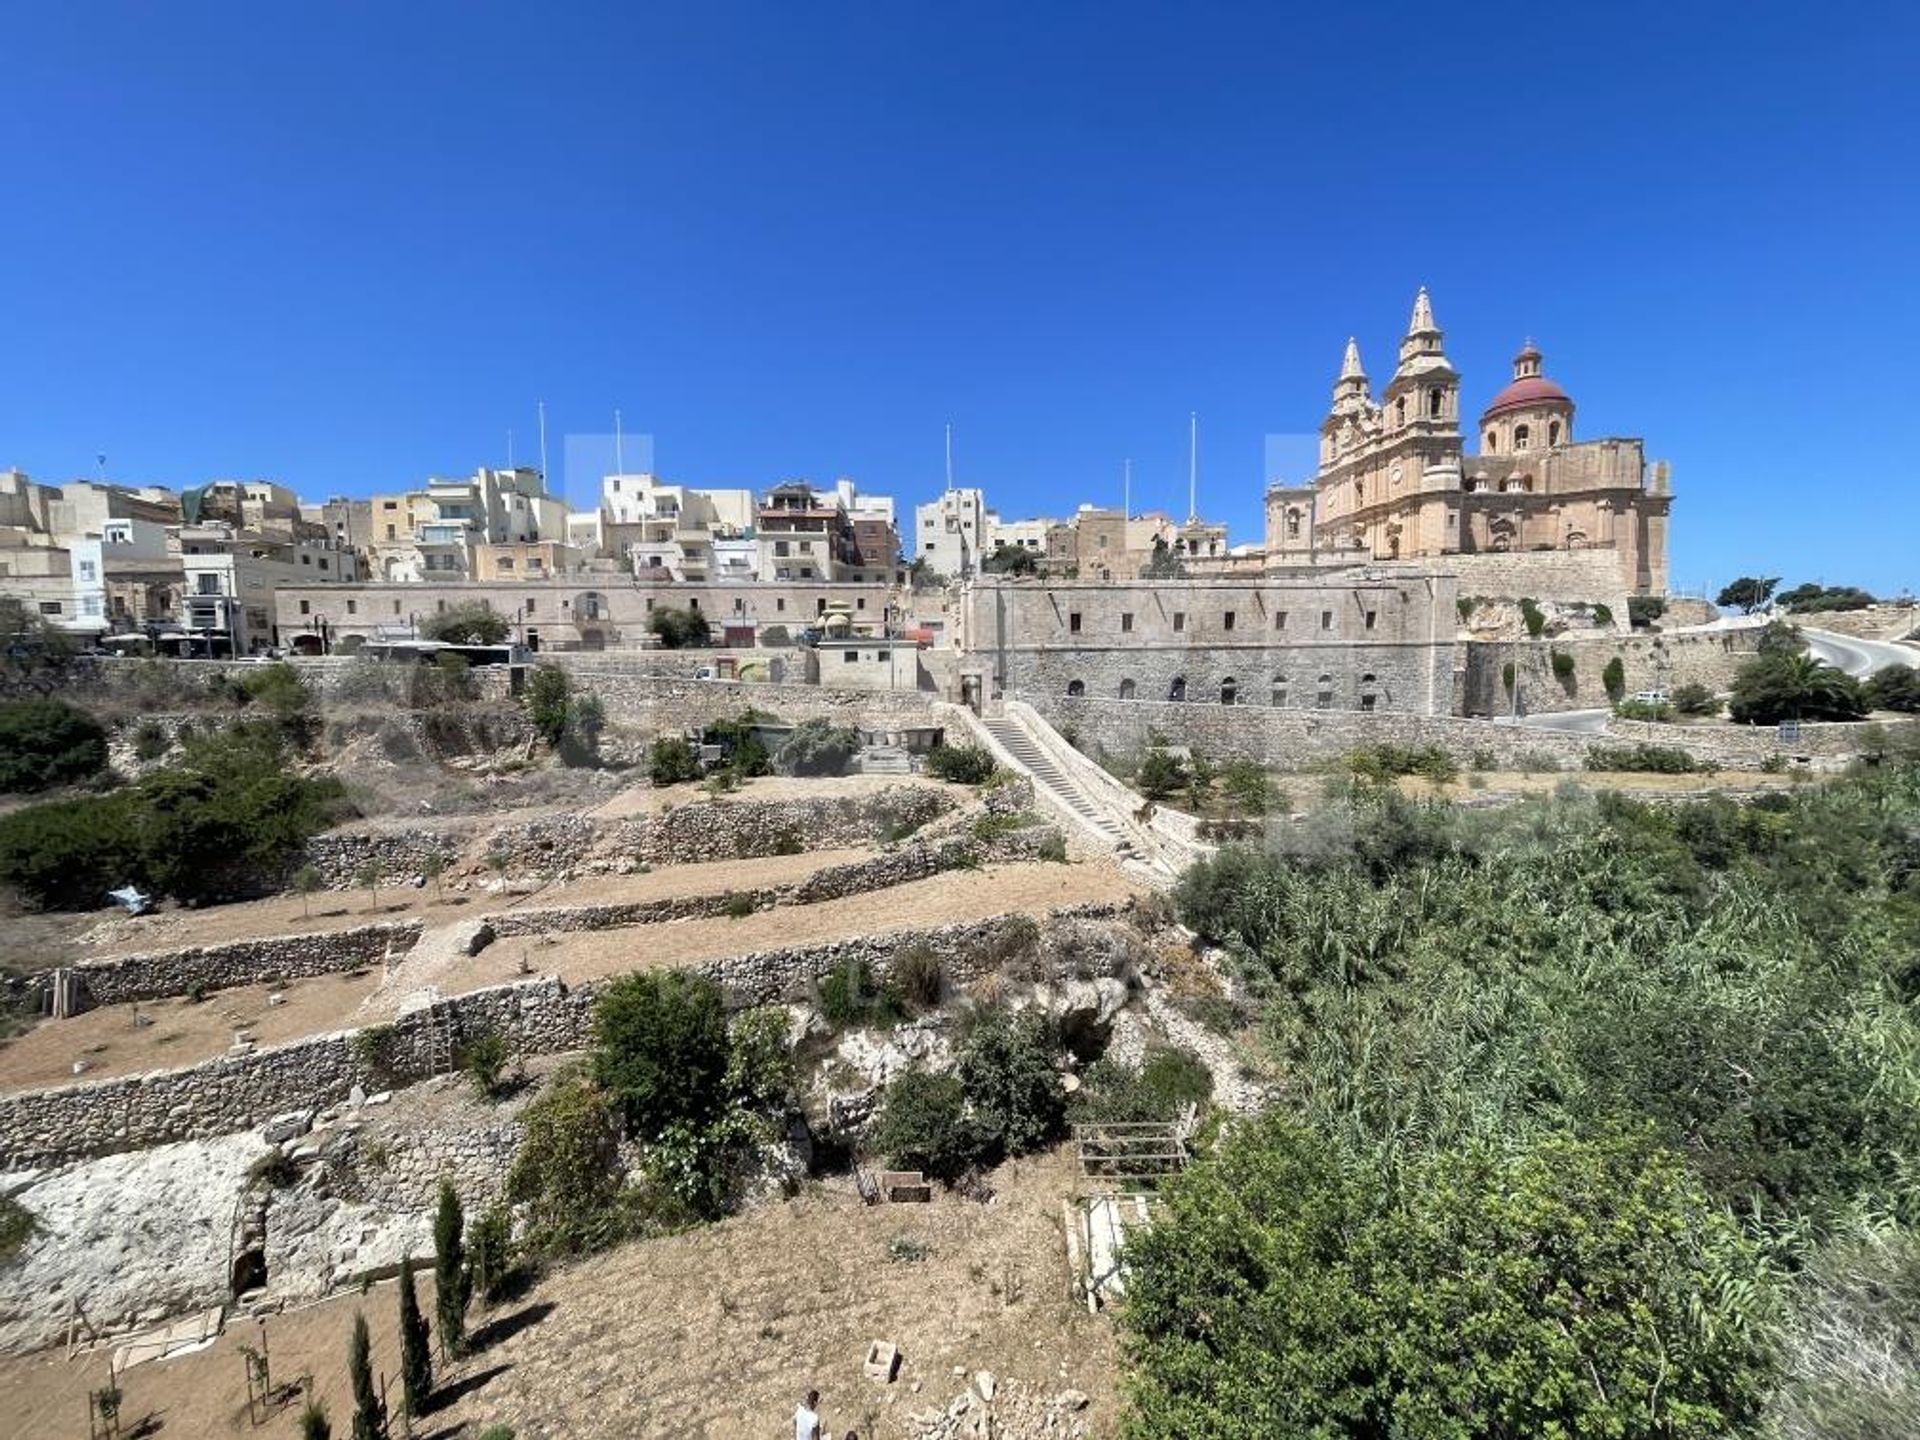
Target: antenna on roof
(541,406)
(1126,492)
(619,450)
(949,455)
(1193,466)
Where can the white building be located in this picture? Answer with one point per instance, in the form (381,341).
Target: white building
(954,533)
(672,531)
(231,581)
(431,534)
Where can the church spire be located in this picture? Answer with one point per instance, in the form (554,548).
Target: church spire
(1350,366)
(1422,322)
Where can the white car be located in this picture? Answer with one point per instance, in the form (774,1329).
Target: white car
(1652,697)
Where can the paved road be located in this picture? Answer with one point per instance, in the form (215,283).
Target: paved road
(1580,722)
(1858,658)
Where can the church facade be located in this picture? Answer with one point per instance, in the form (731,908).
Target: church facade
(1396,480)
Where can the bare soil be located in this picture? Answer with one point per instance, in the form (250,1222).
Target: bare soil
(180,1033)
(713,1333)
(652,800)
(1626,782)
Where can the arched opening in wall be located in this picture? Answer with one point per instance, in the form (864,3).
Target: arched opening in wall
(592,639)
(1436,401)
(1520,434)
(1324,699)
(1076,688)
(1178,689)
(1369,690)
(1576,540)
(1400,411)
(1493,442)
(592,605)
(1293,523)
(1553,432)
(1229,691)
(1393,545)
(1279,690)
(1126,689)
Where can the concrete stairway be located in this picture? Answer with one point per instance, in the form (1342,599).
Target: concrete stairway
(1093,815)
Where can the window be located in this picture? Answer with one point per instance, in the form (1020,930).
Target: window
(86,569)
(1553,432)
(396,607)
(1226,621)
(1178,689)
(1279,690)
(306,559)
(389,532)
(1520,433)
(1076,688)
(353,607)
(1293,524)
(505,563)
(1492,442)
(1126,689)
(49,607)
(1326,619)
(820,607)
(1229,691)
(1280,620)
(782,548)
(1126,622)
(1366,702)
(1372,615)
(530,605)
(1400,411)
(779,607)
(1179,621)
(306,608)
(1073,622)
(1325,698)
(1436,400)
(323,562)
(850,656)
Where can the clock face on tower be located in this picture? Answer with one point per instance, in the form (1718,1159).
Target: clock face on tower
(1393,475)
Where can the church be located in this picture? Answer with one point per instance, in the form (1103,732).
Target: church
(1395,481)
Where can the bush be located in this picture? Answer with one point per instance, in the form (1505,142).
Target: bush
(485,1058)
(920,975)
(44,743)
(1160,774)
(566,1169)
(962,764)
(1694,698)
(818,747)
(548,699)
(1614,678)
(1895,688)
(1533,617)
(672,761)
(1814,599)
(1650,759)
(1644,610)
(1158,1091)
(149,741)
(923,1126)
(1603,615)
(1785,686)
(660,1051)
(17,1226)
(1383,763)
(477,624)
(490,1268)
(1643,710)
(759,1061)
(680,629)
(1012,1089)
(849,996)
(1563,669)
(774,636)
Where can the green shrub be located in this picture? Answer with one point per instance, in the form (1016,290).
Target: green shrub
(416,1358)
(1644,610)
(1603,615)
(1533,617)
(476,624)
(680,629)
(923,1125)
(1563,669)
(1013,1091)
(961,764)
(1694,698)
(17,1225)
(452,1277)
(920,975)
(660,1050)
(1897,687)
(566,1169)
(1651,759)
(1160,774)
(818,747)
(760,1072)
(1788,686)
(1158,1091)
(1643,710)
(1385,762)
(490,1267)
(995,827)
(672,761)
(149,741)
(548,698)
(484,1058)
(1506,677)
(849,996)
(738,906)
(314,1424)
(1614,678)
(44,743)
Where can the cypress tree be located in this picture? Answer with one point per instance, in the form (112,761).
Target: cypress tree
(416,1359)
(450,1278)
(368,1423)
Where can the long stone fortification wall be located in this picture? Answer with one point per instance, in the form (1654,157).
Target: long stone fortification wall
(1591,577)
(542,1016)
(1651,662)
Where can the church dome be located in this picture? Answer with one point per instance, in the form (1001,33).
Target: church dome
(1529,389)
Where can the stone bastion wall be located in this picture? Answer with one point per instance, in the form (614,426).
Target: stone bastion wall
(1650,662)
(540,1016)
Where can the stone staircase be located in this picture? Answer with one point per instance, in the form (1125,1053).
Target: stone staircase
(1093,814)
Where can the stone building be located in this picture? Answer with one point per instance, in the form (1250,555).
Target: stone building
(1356,639)
(1395,480)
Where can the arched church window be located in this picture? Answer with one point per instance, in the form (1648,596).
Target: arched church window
(1400,411)
(1229,691)
(1493,442)
(1076,688)
(1553,432)
(1293,524)
(1436,400)
(1520,433)
(1279,690)
(1325,698)
(1178,689)
(1126,689)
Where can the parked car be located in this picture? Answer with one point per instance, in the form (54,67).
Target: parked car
(1653,697)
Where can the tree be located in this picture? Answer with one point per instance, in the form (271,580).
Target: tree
(548,699)
(1781,637)
(960,764)
(1614,678)
(369,1419)
(660,1050)
(1749,592)
(314,1424)
(1644,610)
(1013,1091)
(370,874)
(1773,688)
(306,882)
(1812,599)
(44,743)
(1895,688)
(1164,563)
(566,1169)
(818,747)
(671,761)
(492,1264)
(680,629)
(923,1126)
(416,1356)
(1010,560)
(450,1276)
(32,652)
(1160,774)
(1694,698)
(476,624)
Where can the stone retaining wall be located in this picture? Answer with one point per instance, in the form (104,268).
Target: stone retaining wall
(401,1172)
(543,1016)
(1651,662)
(244,962)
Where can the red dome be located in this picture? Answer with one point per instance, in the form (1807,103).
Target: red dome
(1523,394)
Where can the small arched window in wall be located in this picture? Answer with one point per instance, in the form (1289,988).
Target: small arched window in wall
(1493,442)
(1076,688)
(1279,690)
(1400,411)
(1293,523)
(1126,689)
(1229,691)
(1325,698)
(1553,432)
(1520,433)
(1436,400)
(1178,689)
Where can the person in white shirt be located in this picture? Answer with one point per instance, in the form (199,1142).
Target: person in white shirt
(806,1419)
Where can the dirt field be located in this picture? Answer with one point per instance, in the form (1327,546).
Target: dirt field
(714,1333)
(336,910)
(1627,783)
(182,1033)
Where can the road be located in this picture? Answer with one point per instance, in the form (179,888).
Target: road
(1580,722)
(1859,658)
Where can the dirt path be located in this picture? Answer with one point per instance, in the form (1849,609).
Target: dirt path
(714,1333)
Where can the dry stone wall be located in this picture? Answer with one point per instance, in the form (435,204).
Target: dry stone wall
(244,962)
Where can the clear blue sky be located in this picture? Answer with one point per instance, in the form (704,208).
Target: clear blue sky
(349,245)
